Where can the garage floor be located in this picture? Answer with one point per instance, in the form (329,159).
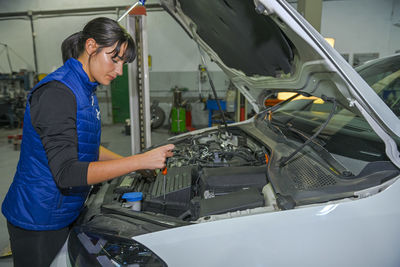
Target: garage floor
(113,138)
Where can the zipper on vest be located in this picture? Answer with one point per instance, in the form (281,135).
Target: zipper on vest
(59,201)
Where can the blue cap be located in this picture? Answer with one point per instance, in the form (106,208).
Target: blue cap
(133,196)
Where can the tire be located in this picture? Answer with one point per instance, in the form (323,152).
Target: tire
(157,117)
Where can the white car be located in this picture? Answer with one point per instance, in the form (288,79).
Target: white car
(312,181)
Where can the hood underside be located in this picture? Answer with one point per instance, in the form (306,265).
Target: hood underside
(242,39)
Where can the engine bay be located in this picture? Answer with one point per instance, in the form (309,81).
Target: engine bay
(212,173)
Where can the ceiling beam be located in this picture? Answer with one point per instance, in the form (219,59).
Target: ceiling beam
(149,7)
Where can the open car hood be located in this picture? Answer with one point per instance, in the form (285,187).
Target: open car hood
(266,46)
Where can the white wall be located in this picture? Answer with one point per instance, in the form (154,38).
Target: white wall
(170,46)
(24,5)
(357,25)
(361,26)
(171,49)
(17,36)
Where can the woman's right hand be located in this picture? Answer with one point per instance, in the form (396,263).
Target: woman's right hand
(101,171)
(156,158)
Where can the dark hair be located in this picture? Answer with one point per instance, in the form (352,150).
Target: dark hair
(106,32)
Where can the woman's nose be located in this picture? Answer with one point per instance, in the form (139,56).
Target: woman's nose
(119,68)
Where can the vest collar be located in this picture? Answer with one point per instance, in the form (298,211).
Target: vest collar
(76,66)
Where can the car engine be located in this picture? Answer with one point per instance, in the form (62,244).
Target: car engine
(212,173)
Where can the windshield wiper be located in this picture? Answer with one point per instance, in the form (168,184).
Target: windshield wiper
(284,160)
(318,146)
(268,112)
(266,115)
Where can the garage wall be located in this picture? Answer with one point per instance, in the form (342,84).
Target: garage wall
(359,26)
(23,5)
(17,35)
(175,59)
(169,45)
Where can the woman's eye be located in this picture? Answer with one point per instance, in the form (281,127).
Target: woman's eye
(114,61)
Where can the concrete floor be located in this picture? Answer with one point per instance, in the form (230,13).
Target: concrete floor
(113,138)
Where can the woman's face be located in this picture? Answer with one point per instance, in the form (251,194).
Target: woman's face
(103,68)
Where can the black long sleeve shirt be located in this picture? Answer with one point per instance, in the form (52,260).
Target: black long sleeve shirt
(53,115)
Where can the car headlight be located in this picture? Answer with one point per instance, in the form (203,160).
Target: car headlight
(90,248)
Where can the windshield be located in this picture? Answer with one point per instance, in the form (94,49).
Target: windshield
(384,77)
(347,136)
(321,151)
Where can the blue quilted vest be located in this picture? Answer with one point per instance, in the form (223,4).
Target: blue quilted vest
(34,201)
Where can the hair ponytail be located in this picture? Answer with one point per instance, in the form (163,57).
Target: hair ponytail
(71,46)
(106,32)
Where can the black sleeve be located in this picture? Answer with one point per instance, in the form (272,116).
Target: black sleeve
(53,115)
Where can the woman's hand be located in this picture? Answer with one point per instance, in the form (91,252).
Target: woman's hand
(101,171)
(156,158)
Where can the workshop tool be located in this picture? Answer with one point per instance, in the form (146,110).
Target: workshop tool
(164,172)
(266,155)
(178,111)
(130,9)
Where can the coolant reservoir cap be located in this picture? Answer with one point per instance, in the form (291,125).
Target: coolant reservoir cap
(133,196)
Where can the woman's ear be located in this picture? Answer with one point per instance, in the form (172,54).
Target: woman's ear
(91,46)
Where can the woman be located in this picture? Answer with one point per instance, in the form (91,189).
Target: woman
(61,154)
